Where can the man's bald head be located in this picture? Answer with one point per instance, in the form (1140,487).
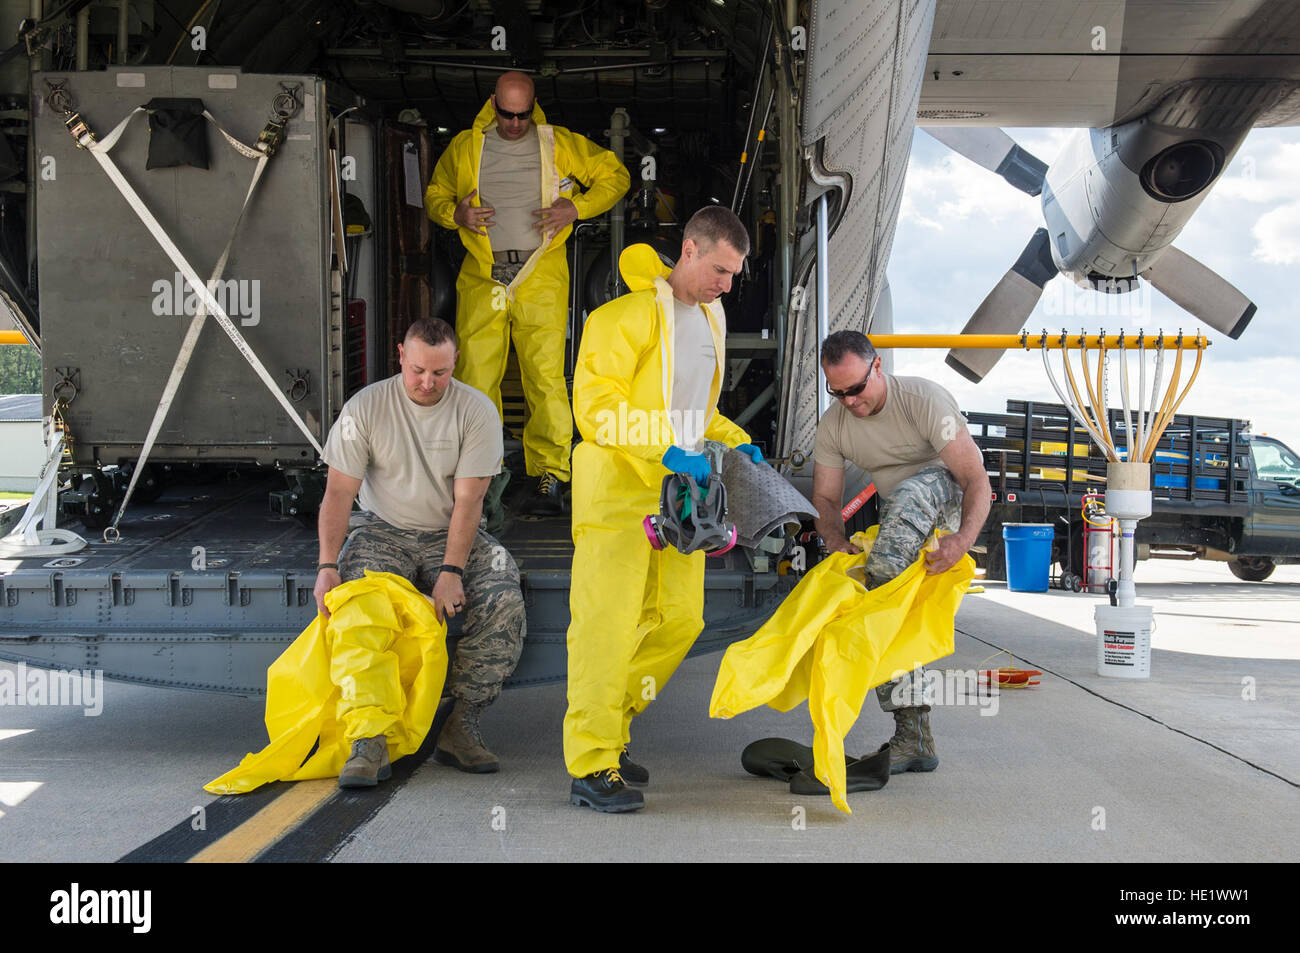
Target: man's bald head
(515,95)
(515,81)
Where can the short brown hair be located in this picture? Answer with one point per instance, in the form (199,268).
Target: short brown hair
(713,224)
(433,331)
(841,344)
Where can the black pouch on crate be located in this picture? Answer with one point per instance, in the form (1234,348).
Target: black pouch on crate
(178,133)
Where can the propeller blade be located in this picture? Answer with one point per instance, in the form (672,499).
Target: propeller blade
(1201,292)
(1007,307)
(996,151)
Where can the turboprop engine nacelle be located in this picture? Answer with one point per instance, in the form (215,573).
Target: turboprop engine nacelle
(1116,198)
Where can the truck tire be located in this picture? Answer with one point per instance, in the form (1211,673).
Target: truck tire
(1252,568)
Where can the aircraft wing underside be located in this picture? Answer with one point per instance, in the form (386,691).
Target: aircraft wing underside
(1097,63)
(877,68)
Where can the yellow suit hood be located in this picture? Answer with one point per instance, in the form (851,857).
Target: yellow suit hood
(640,265)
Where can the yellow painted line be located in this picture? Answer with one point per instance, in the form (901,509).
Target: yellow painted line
(269,824)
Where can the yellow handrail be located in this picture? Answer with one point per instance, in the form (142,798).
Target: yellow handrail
(1034,341)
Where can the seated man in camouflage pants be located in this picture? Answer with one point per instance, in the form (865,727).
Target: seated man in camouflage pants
(908,433)
(420,449)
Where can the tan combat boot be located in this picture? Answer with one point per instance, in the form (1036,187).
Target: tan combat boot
(912,747)
(367,765)
(460,744)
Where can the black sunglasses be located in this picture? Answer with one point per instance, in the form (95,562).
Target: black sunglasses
(853,391)
(509,115)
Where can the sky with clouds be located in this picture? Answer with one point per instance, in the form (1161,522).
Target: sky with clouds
(961,227)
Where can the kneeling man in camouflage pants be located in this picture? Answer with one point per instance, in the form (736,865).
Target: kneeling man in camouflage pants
(420,450)
(909,435)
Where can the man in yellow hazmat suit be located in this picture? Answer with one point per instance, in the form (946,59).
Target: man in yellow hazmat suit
(509,186)
(645,393)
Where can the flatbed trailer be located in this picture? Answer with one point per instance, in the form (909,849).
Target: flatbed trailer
(1213,495)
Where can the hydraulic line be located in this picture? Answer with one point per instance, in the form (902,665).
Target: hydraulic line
(1155,387)
(1163,420)
(1099,430)
(1066,399)
(1196,368)
(1142,386)
(1130,446)
(1051,378)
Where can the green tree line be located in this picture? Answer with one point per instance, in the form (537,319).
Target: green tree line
(20,369)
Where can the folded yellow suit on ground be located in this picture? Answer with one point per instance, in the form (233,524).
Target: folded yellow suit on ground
(376,667)
(832,640)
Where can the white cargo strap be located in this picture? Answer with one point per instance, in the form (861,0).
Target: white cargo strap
(25,539)
(207,302)
(182,362)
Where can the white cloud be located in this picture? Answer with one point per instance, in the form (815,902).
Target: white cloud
(956,191)
(1277,235)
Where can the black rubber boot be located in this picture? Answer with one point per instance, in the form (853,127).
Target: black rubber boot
(868,774)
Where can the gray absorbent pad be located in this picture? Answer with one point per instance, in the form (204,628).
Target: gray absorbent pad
(759,499)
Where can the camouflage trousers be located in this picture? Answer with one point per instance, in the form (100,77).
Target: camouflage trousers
(919,504)
(492,634)
(505,272)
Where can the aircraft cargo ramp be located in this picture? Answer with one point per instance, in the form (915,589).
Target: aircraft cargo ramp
(206,588)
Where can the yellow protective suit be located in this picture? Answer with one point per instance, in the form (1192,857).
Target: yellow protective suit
(832,640)
(376,667)
(534,307)
(635,612)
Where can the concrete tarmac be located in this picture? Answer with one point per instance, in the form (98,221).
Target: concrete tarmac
(1200,762)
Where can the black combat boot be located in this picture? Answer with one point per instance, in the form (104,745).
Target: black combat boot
(605,792)
(632,772)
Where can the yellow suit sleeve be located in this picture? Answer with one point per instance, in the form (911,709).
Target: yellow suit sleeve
(440,198)
(598,168)
(618,338)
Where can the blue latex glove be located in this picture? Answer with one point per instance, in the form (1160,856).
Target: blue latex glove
(754,453)
(686,461)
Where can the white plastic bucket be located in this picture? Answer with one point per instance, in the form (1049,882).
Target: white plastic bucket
(1123,641)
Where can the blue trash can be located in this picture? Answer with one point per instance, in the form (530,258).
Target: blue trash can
(1029,555)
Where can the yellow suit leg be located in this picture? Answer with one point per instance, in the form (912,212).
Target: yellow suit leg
(672,618)
(540,314)
(610,566)
(483,332)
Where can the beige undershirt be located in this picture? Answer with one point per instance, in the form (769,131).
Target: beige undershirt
(694,363)
(407,456)
(510,180)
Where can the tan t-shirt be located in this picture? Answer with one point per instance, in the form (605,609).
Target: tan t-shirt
(694,364)
(510,180)
(407,456)
(918,420)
